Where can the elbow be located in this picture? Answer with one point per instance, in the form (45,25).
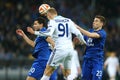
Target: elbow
(33,45)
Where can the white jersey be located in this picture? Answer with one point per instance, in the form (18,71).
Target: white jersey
(112,63)
(60,29)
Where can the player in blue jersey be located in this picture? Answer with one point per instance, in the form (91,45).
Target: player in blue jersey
(41,51)
(92,67)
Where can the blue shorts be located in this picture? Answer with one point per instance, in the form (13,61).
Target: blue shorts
(92,69)
(37,70)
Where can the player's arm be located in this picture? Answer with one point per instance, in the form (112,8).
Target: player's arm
(40,33)
(87,33)
(106,63)
(50,40)
(48,32)
(29,41)
(77,33)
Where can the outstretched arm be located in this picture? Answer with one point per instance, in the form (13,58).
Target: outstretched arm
(87,33)
(29,41)
(48,39)
(77,33)
(48,32)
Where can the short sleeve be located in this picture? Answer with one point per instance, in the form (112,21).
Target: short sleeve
(102,33)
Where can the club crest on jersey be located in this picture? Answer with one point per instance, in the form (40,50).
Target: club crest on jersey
(90,42)
(32,70)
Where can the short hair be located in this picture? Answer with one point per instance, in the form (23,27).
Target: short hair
(41,20)
(52,11)
(102,19)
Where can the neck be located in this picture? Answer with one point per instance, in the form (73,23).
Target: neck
(54,16)
(40,28)
(96,29)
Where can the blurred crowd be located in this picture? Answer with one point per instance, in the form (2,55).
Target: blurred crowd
(21,13)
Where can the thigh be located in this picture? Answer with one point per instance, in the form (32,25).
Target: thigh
(56,58)
(86,70)
(37,69)
(97,70)
(68,59)
(111,72)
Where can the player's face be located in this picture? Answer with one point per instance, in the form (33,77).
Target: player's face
(36,25)
(97,23)
(48,15)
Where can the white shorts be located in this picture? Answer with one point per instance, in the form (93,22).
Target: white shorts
(112,72)
(61,56)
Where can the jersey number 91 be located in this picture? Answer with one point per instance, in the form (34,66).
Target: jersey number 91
(63,28)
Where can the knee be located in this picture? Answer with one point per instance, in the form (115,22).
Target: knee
(49,70)
(67,72)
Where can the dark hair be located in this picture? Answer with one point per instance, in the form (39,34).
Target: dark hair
(41,20)
(102,19)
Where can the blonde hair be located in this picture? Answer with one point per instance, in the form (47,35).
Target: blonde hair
(52,11)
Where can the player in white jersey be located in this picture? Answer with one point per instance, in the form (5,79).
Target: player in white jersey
(112,64)
(75,65)
(60,29)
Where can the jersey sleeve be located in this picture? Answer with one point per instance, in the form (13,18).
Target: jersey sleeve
(49,30)
(75,31)
(102,33)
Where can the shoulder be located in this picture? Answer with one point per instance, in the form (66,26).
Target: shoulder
(102,33)
(43,29)
(108,59)
(116,59)
(51,23)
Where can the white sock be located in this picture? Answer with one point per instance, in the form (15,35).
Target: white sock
(44,77)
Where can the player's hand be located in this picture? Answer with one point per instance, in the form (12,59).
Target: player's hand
(20,32)
(30,30)
(76,41)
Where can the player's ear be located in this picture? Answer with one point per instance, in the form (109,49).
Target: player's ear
(102,23)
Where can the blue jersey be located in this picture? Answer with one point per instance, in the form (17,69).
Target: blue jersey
(95,46)
(41,53)
(41,45)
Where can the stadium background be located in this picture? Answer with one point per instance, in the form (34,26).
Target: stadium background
(15,54)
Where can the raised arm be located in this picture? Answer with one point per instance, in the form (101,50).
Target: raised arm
(43,33)
(77,33)
(48,32)
(29,41)
(87,33)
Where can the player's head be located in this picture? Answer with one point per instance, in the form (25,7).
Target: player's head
(39,23)
(99,22)
(51,13)
(113,54)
